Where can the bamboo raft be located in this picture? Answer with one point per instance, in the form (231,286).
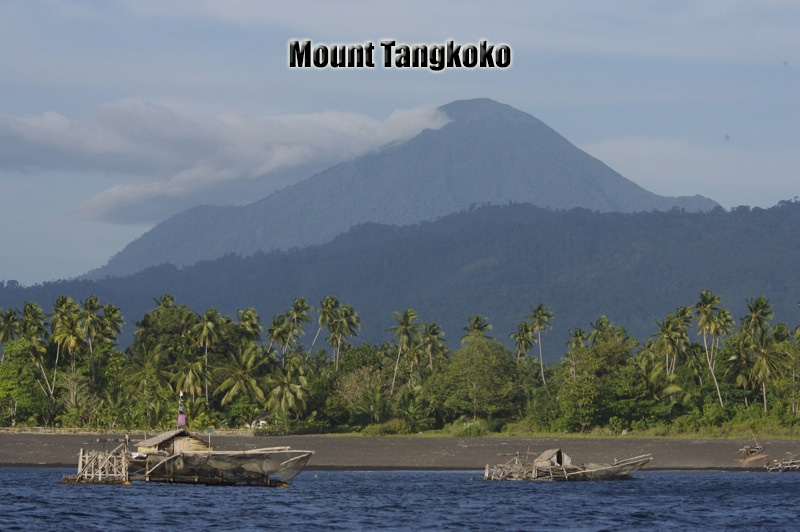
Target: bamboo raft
(554,464)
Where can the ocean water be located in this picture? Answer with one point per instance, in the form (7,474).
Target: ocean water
(32,499)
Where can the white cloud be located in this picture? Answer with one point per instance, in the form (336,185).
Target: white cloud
(175,157)
(725,173)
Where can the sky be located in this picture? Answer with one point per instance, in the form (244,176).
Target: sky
(115,115)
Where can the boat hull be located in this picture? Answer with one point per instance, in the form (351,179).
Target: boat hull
(244,468)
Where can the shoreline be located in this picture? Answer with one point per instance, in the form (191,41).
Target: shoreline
(411,453)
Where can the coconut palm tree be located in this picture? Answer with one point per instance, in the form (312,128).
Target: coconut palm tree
(477,326)
(63,331)
(740,361)
(288,389)
(32,322)
(757,321)
(672,339)
(343,324)
(523,339)
(278,332)
(710,322)
(188,375)
(328,308)
(147,372)
(577,339)
(769,360)
(540,321)
(296,317)
(205,334)
(9,327)
(91,325)
(240,375)
(112,322)
(406,332)
(432,342)
(249,323)
(602,330)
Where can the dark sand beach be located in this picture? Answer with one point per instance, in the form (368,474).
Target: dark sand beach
(354,452)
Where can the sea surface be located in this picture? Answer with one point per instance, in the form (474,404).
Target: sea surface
(33,499)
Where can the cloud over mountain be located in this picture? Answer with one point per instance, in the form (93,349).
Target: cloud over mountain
(175,157)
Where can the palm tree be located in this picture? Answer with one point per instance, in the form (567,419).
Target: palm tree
(327,310)
(32,324)
(9,326)
(67,334)
(205,334)
(278,332)
(671,338)
(112,322)
(91,326)
(344,323)
(710,321)
(406,332)
(240,375)
(756,322)
(768,361)
(63,330)
(249,323)
(523,339)
(601,330)
(432,342)
(32,330)
(577,339)
(540,321)
(740,362)
(288,389)
(296,317)
(146,372)
(477,325)
(188,375)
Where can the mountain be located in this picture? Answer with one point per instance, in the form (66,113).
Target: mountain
(496,261)
(489,153)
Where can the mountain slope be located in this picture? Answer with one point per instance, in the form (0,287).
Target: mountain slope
(496,261)
(489,153)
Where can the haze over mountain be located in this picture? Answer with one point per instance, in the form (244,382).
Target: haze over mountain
(489,153)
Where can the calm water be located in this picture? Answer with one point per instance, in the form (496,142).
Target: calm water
(32,499)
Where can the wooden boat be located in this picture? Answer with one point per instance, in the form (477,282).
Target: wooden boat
(790,463)
(184,457)
(554,464)
(752,453)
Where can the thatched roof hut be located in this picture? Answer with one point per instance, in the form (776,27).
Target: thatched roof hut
(174,441)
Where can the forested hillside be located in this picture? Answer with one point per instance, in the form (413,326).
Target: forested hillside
(495,261)
(488,153)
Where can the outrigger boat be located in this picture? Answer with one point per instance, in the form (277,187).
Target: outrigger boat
(790,463)
(184,457)
(554,464)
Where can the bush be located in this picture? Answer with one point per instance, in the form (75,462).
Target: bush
(391,427)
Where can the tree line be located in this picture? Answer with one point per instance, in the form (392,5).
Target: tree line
(305,371)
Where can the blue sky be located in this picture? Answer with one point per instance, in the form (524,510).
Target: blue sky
(115,115)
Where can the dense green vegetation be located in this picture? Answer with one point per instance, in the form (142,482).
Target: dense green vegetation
(493,260)
(699,370)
